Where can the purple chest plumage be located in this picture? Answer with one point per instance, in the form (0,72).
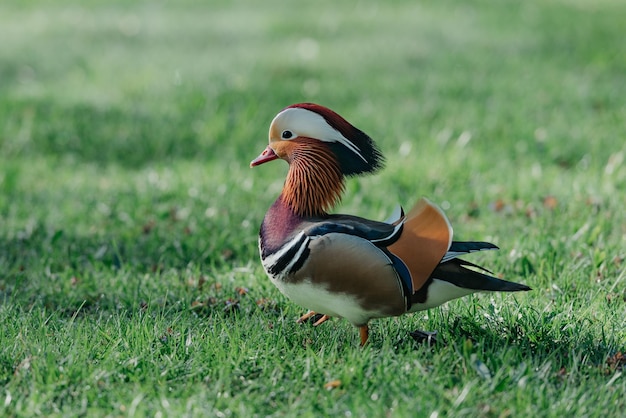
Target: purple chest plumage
(279,225)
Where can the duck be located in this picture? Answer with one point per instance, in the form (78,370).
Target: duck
(346,266)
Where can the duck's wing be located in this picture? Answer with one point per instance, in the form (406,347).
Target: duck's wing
(381,234)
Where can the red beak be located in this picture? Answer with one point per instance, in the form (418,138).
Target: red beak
(267,155)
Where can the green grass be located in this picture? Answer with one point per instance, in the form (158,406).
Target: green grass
(129,277)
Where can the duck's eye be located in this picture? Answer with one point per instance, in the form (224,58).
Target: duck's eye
(287,135)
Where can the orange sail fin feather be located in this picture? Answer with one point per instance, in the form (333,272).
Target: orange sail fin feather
(425,239)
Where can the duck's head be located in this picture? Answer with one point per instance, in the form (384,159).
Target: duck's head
(310,126)
(322,148)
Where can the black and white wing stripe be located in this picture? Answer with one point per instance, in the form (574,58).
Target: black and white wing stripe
(288,256)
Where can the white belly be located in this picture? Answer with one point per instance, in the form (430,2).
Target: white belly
(318,299)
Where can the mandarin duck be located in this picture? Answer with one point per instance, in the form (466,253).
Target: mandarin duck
(343,265)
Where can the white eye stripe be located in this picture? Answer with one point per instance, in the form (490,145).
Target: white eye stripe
(312,125)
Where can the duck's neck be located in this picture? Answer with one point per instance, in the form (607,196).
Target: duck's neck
(314,182)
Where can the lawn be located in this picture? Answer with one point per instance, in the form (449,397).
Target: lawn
(130,283)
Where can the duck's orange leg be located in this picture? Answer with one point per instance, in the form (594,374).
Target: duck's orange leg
(311,314)
(364,332)
(320,321)
(306,316)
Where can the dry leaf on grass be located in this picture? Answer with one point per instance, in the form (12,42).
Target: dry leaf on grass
(332,384)
(616,361)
